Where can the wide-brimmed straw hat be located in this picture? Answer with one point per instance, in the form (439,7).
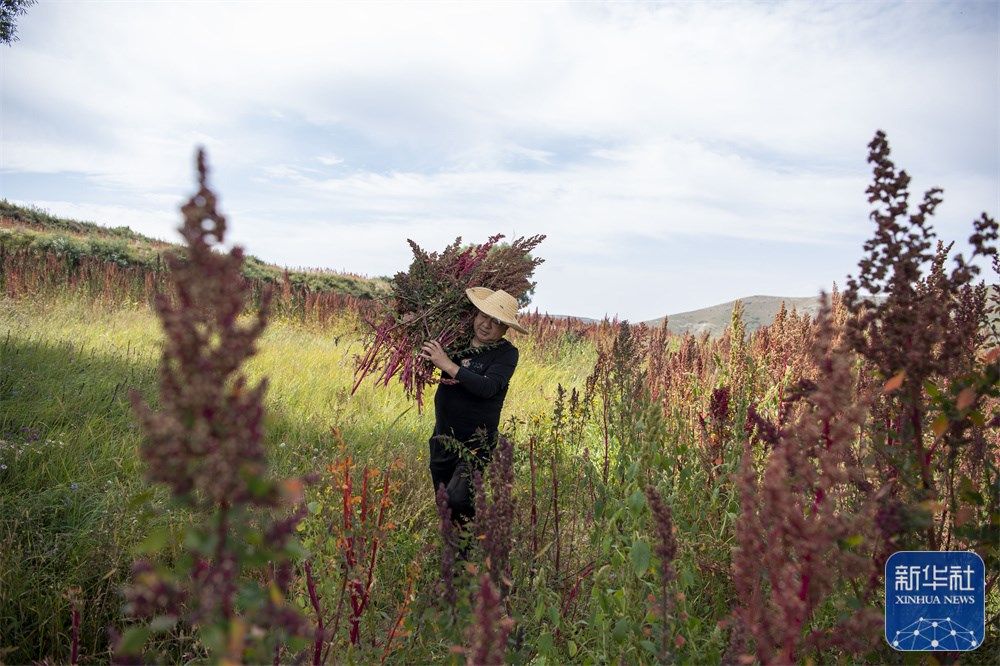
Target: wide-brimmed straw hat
(497,304)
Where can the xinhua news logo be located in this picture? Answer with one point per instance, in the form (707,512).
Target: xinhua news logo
(935,600)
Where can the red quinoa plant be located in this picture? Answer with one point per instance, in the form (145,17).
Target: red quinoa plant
(922,329)
(345,554)
(494,520)
(487,632)
(360,531)
(617,383)
(802,524)
(666,551)
(204,441)
(449,547)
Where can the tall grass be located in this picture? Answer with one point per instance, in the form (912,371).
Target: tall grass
(67,516)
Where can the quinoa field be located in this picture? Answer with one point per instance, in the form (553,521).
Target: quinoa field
(656,498)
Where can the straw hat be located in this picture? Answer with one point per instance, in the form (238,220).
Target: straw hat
(497,304)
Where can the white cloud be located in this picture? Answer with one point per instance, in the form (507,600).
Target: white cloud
(330,160)
(336,130)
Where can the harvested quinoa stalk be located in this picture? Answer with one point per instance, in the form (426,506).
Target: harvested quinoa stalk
(428,302)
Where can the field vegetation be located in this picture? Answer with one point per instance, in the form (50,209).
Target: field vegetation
(655,498)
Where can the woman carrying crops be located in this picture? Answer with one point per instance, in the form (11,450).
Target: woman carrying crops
(468,401)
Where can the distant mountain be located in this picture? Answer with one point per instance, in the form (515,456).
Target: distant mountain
(757,311)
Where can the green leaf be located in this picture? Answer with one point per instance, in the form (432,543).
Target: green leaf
(853,541)
(687,577)
(258,486)
(648,646)
(139,499)
(133,640)
(314,507)
(214,637)
(155,540)
(250,595)
(967,491)
(571,648)
(604,603)
(545,643)
(616,515)
(639,557)
(539,609)
(636,502)
(620,632)
(296,550)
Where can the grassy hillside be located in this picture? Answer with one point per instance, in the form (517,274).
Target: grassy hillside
(22,227)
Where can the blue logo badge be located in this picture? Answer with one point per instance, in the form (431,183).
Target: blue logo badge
(935,600)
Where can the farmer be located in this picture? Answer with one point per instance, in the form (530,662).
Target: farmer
(467,405)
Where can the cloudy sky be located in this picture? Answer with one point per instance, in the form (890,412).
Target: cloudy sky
(676,155)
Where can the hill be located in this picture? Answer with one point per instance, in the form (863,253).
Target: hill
(757,311)
(31,228)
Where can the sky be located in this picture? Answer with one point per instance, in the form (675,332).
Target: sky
(675,155)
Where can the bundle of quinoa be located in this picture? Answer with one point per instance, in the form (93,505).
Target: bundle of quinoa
(428,302)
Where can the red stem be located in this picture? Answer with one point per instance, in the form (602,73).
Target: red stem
(314,600)
(399,621)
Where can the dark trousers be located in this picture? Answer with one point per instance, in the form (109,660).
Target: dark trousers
(454,469)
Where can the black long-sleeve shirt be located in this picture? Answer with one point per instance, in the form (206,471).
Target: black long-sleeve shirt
(477,399)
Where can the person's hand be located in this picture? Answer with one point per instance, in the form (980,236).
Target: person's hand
(434,352)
